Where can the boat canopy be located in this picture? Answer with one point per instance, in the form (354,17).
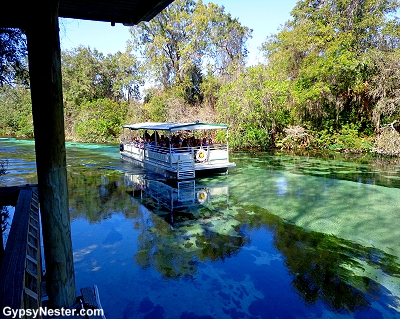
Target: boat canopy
(175,126)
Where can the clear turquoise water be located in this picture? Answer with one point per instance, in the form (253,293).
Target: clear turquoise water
(279,237)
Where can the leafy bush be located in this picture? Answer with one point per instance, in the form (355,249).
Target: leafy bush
(349,139)
(251,138)
(16,112)
(254,105)
(100,120)
(156,108)
(296,137)
(323,139)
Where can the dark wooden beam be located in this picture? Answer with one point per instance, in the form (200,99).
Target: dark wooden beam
(48,119)
(9,195)
(17,14)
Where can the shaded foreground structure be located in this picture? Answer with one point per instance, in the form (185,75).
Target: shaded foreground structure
(39,20)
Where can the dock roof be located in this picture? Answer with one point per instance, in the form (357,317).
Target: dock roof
(19,14)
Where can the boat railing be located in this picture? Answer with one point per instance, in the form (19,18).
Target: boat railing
(169,157)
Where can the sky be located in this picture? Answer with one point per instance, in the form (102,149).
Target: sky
(264,17)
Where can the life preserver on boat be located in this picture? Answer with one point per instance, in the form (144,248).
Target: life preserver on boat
(121,147)
(201,155)
(202,196)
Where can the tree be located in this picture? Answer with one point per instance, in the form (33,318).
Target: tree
(226,37)
(255,106)
(15,107)
(13,53)
(83,76)
(180,41)
(88,76)
(326,54)
(169,43)
(16,111)
(385,87)
(125,74)
(100,120)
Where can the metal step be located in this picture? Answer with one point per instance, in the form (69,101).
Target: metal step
(185,169)
(186,191)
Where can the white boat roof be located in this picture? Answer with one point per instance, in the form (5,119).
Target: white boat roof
(175,126)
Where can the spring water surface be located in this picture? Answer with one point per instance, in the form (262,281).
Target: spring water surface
(281,236)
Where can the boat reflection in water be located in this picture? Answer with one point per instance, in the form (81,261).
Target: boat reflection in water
(199,223)
(177,198)
(183,225)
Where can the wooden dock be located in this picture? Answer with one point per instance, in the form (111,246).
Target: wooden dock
(22,285)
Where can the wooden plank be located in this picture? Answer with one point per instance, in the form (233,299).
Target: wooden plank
(91,299)
(13,269)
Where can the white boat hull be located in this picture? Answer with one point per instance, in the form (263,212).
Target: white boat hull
(180,165)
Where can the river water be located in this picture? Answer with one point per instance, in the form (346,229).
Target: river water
(280,236)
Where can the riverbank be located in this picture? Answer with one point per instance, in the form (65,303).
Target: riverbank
(298,140)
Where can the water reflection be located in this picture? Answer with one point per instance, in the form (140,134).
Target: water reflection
(175,196)
(279,237)
(323,267)
(183,223)
(179,232)
(183,227)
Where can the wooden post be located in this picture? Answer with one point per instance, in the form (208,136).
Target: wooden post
(48,119)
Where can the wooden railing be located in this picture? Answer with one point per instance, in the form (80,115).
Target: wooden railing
(21,269)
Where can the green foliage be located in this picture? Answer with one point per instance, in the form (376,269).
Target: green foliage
(346,139)
(384,89)
(323,139)
(209,88)
(156,109)
(254,107)
(327,52)
(332,78)
(349,139)
(251,138)
(100,120)
(15,112)
(89,75)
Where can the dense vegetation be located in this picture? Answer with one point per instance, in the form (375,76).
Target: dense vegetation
(331,79)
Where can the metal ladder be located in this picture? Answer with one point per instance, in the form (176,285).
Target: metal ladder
(186,169)
(33,265)
(187,191)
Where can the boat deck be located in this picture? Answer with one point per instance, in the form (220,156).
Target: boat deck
(171,150)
